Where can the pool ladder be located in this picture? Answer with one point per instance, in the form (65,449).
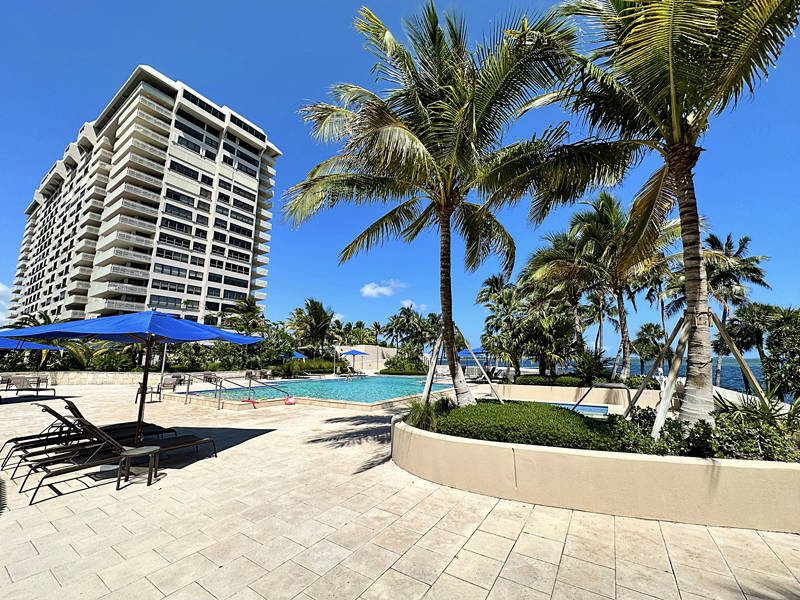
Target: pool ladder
(219,388)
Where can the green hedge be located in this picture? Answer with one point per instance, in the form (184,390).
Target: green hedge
(400,372)
(560,381)
(527,423)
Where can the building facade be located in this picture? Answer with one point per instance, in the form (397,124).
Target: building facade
(163,202)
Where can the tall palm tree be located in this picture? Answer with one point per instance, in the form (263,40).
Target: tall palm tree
(311,323)
(246,316)
(434,136)
(492,285)
(376,329)
(393,330)
(79,350)
(657,75)
(596,311)
(505,325)
(647,343)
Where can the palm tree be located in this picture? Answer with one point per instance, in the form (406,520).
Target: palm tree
(647,343)
(658,73)
(393,330)
(597,310)
(505,325)
(246,317)
(492,285)
(311,323)
(376,329)
(434,136)
(79,350)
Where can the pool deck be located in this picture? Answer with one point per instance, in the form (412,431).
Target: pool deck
(303,502)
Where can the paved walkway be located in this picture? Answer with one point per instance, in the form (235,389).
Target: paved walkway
(303,502)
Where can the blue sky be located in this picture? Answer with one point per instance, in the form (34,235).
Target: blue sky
(62,62)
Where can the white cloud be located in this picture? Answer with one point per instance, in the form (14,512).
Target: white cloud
(338,317)
(5,296)
(408,303)
(386,287)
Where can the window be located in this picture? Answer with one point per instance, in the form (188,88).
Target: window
(182,141)
(203,206)
(177,211)
(203,220)
(175,225)
(227,160)
(245,169)
(206,180)
(211,155)
(241,230)
(223,198)
(244,193)
(184,170)
(220,223)
(218,250)
(229,147)
(198,260)
(190,131)
(224,184)
(215,277)
(222,210)
(193,290)
(231,295)
(201,233)
(196,275)
(171,254)
(233,241)
(242,256)
(177,196)
(205,192)
(212,142)
(206,106)
(173,240)
(247,158)
(199,247)
(170,286)
(217,264)
(220,237)
(248,128)
(237,268)
(236,282)
(169,270)
(212,305)
(165,301)
(191,118)
(241,217)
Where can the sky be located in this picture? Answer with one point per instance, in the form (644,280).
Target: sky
(62,62)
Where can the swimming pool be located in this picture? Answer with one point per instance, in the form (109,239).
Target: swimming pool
(586,410)
(375,388)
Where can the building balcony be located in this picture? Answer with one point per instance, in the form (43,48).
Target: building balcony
(18,280)
(93,206)
(262,237)
(85,245)
(115,288)
(83,259)
(123,238)
(259,272)
(262,248)
(264,214)
(114,272)
(148,150)
(126,223)
(124,206)
(89,217)
(74,286)
(259,296)
(140,132)
(105,305)
(102,156)
(73,315)
(79,273)
(95,192)
(140,162)
(116,254)
(138,115)
(258,284)
(146,104)
(136,176)
(260,260)
(88,231)
(75,300)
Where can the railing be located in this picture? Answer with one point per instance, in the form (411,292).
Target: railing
(218,387)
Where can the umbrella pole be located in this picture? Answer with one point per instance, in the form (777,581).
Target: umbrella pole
(147,349)
(163,364)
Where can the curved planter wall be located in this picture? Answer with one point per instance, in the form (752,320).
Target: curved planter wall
(732,493)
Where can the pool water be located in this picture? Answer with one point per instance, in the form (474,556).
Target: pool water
(359,389)
(587,410)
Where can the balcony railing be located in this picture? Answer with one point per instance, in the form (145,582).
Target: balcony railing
(121,253)
(115,287)
(101,305)
(122,237)
(112,271)
(123,221)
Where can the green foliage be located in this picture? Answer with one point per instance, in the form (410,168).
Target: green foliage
(592,367)
(191,356)
(527,423)
(749,437)
(401,372)
(408,359)
(634,381)
(11,361)
(424,415)
(559,381)
(111,361)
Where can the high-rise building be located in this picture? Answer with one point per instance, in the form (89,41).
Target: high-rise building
(163,202)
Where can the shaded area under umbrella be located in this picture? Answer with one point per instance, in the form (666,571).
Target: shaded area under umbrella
(354,353)
(148,328)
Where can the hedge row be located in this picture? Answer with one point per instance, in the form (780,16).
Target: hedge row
(559,381)
(400,372)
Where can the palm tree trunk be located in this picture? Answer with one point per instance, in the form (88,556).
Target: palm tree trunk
(599,347)
(698,400)
(664,326)
(463,393)
(576,323)
(616,361)
(718,374)
(625,370)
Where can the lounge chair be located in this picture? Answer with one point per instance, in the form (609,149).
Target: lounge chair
(249,375)
(107,450)
(209,377)
(265,373)
(5,380)
(23,383)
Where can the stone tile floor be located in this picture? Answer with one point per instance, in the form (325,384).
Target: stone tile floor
(304,503)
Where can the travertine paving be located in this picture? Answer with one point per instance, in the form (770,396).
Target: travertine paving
(303,502)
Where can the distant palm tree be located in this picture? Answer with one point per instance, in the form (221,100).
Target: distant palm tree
(246,316)
(376,329)
(647,343)
(434,137)
(77,349)
(596,311)
(658,73)
(492,285)
(311,323)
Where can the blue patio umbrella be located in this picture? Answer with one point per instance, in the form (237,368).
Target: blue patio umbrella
(148,328)
(465,353)
(7,344)
(354,353)
(295,355)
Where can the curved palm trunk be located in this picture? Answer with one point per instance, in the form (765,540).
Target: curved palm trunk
(463,393)
(599,341)
(616,361)
(625,341)
(698,400)
(576,324)
(664,327)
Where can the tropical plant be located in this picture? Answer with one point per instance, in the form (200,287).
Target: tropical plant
(591,367)
(492,285)
(434,136)
(657,74)
(246,316)
(375,330)
(596,310)
(79,352)
(647,343)
(782,362)
(311,324)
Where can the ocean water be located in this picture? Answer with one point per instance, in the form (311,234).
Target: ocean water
(730,376)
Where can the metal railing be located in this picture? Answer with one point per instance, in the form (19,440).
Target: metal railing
(219,387)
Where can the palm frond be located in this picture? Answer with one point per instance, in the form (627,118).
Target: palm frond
(388,226)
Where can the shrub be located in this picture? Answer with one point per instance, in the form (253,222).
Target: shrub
(592,367)
(634,381)
(401,372)
(408,358)
(560,380)
(111,361)
(424,415)
(748,437)
(526,423)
